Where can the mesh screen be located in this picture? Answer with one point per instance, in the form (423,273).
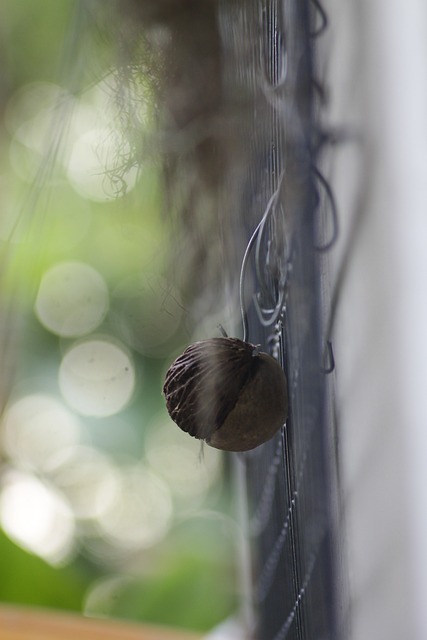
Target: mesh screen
(268,48)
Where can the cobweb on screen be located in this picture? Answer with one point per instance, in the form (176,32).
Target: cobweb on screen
(287,480)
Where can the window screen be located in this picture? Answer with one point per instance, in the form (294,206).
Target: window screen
(287,481)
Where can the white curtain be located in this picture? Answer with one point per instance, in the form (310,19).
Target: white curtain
(373,63)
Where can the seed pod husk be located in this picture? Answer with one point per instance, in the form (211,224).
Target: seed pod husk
(228,393)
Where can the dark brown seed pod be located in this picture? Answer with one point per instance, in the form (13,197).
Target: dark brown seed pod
(228,393)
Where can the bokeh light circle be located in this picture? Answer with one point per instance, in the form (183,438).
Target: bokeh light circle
(89,479)
(148,312)
(36,428)
(72,299)
(176,457)
(96,167)
(141,514)
(36,517)
(97,377)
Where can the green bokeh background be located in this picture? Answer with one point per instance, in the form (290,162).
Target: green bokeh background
(187,579)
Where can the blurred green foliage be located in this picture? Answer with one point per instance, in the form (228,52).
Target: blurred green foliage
(29,580)
(187,579)
(32,36)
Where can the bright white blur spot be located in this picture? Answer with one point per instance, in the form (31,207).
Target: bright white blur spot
(141,514)
(36,517)
(97,377)
(45,121)
(72,299)
(35,428)
(89,479)
(97,166)
(177,458)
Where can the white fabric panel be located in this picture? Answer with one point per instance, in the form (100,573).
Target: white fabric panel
(373,61)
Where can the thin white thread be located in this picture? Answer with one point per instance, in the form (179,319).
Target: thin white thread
(283,631)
